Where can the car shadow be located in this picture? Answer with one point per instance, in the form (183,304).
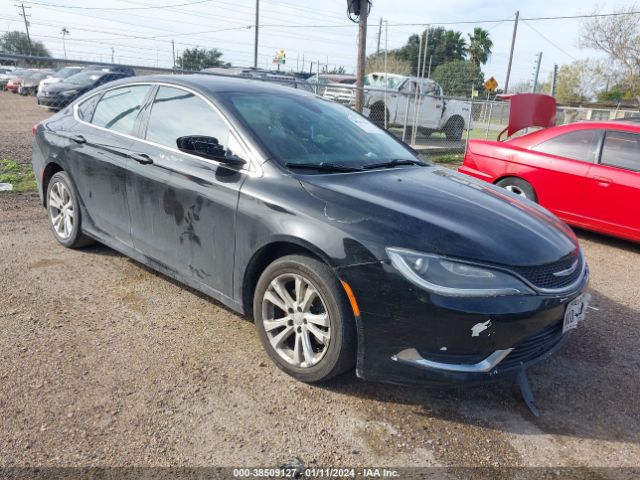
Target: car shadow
(607,240)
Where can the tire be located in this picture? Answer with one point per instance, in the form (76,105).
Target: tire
(519,187)
(63,211)
(454,129)
(425,132)
(316,361)
(377,114)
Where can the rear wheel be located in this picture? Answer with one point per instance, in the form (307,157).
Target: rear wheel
(304,320)
(64,212)
(519,187)
(377,114)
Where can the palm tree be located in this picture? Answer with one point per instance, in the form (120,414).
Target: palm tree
(64,32)
(479,46)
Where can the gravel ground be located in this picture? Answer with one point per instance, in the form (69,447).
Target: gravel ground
(17,115)
(106,363)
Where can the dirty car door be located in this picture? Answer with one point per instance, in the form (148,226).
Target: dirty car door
(98,157)
(183,206)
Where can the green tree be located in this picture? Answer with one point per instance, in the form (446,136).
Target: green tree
(442,46)
(199,58)
(480,46)
(457,77)
(579,81)
(18,43)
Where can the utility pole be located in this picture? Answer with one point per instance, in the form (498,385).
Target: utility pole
(537,72)
(430,59)
(554,80)
(513,44)
(26,23)
(255,43)
(379,35)
(64,33)
(173,53)
(362,53)
(112,51)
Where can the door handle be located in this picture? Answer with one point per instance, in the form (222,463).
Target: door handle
(602,181)
(141,158)
(78,138)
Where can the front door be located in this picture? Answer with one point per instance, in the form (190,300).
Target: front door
(182,206)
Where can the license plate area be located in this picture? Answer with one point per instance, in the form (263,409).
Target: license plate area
(575,312)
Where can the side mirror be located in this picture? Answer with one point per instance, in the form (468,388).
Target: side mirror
(209,148)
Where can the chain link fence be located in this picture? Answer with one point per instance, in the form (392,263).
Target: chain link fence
(416,110)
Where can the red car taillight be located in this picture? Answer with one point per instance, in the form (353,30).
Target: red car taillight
(34,129)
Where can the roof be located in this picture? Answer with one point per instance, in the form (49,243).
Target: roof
(216,84)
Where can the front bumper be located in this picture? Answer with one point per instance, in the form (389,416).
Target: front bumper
(54,101)
(408,335)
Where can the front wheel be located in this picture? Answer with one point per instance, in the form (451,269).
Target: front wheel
(304,319)
(519,187)
(454,129)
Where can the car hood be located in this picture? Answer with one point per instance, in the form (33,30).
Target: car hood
(63,86)
(437,210)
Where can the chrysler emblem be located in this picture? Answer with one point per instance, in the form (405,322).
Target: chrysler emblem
(568,271)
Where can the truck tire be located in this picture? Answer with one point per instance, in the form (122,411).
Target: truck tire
(454,128)
(377,112)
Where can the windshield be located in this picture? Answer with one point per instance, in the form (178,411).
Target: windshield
(66,72)
(377,80)
(84,78)
(297,129)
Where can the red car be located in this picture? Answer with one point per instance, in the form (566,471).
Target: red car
(13,85)
(587,173)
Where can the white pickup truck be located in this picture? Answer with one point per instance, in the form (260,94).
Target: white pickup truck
(435,113)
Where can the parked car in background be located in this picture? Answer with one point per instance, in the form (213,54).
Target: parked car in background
(59,75)
(346,248)
(319,84)
(29,83)
(58,95)
(14,79)
(587,173)
(5,73)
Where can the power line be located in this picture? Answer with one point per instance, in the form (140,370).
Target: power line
(549,41)
(75,7)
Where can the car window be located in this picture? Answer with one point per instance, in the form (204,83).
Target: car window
(85,109)
(621,149)
(579,145)
(118,108)
(178,113)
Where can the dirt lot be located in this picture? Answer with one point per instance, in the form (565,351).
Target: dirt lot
(104,362)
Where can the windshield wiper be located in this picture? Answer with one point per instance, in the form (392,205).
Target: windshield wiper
(394,163)
(323,166)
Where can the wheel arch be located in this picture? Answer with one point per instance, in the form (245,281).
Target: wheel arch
(49,171)
(268,253)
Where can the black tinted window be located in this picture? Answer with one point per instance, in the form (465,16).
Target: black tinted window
(621,149)
(580,145)
(178,113)
(118,108)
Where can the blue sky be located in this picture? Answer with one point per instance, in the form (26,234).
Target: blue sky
(223,24)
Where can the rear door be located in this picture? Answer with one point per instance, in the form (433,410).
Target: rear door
(615,182)
(557,169)
(183,206)
(98,154)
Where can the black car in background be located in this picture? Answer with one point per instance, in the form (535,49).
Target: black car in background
(58,95)
(345,247)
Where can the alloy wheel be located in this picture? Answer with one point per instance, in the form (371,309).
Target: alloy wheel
(515,189)
(61,210)
(296,320)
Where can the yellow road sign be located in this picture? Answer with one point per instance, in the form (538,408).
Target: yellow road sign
(491,84)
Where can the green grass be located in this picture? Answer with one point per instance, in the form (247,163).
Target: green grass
(19,175)
(447,158)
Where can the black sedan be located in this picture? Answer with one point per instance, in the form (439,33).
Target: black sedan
(58,95)
(344,247)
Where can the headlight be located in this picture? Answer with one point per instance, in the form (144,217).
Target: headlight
(69,92)
(452,278)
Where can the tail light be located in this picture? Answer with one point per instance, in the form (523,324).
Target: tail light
(34,129)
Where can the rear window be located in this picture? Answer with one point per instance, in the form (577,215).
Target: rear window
(579,145)
(621,149)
